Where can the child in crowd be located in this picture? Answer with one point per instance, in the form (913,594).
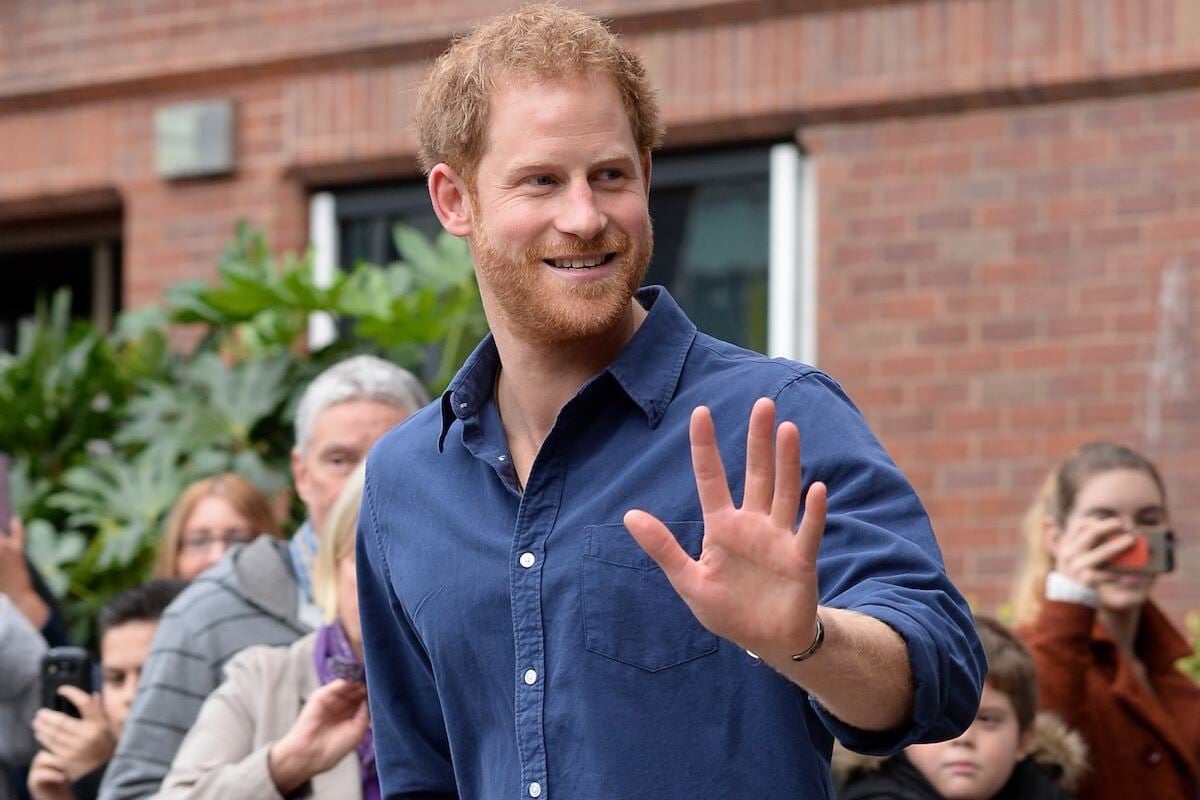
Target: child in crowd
(75,751)
(1009,753)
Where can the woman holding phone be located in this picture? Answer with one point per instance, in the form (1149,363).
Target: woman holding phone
(292,718)
(1097,538)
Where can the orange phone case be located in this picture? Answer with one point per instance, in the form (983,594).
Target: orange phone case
(1136,557)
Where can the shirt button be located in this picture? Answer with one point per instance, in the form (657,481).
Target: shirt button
(528,560)
(501,458)
(530,677)
(535,789)
(1153,758)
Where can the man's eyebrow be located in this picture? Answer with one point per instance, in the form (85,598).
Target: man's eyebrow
(538,165)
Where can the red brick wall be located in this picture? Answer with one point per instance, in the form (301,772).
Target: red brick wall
(1002,185)
(990,293)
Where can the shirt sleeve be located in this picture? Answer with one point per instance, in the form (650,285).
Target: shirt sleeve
(412,749)
(879,557)
(176,678)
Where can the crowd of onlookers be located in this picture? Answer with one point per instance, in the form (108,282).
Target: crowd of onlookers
(238,673)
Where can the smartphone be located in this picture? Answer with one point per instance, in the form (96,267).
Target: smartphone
(5,498)
(65,666)
(1150,552)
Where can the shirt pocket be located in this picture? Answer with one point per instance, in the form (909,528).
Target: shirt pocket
(630,612)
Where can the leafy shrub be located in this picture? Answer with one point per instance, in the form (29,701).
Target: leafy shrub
(106,430)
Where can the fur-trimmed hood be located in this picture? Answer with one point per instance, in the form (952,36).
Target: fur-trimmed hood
(1056,748)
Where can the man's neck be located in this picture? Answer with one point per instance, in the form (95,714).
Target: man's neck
(537,380)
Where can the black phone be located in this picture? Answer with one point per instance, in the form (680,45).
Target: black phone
(65,666)
(5,498)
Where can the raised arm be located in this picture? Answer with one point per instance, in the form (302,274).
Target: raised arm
(756,580)
(899,661)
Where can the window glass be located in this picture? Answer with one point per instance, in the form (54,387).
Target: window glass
(711,236)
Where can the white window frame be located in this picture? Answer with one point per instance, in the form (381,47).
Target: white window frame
(791,268)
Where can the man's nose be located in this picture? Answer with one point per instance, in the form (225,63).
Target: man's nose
(580,215)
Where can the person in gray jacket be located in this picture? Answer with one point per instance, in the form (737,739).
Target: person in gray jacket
(260,593)
(21,650)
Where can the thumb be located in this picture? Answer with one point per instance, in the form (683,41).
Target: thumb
(656,539)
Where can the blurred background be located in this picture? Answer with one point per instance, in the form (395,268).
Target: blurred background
(981,216)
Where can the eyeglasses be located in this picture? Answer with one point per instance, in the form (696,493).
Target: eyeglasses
(203,541)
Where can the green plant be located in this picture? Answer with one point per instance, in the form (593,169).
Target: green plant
(106,430)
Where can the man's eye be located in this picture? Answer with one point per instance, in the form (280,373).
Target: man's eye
(541,180)
(611,174)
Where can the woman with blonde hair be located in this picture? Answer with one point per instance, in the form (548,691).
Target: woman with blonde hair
(291,720)
(210,516)
(1097,537)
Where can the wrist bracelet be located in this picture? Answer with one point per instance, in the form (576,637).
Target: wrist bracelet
(818,640)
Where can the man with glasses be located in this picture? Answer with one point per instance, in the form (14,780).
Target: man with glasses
(260,593)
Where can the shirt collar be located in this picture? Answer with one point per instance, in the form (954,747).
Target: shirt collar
(647,370)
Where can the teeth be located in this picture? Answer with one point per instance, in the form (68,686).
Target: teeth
(578,263)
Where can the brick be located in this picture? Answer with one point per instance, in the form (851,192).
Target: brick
(941,394)
(1008,215)
(907,366)
(1147,144)
(1021,271)
(1041,356)
(1039,417)
(973,360)
(1041,243)
(872,227)
(979,476)
(1074,326)
(968,420)
(954,333)
(946,219)
(1111,235)
(1009,330)
(1106,413)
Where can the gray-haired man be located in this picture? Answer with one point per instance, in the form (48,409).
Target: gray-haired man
(259,594)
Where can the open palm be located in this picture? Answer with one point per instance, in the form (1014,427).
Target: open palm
(755,582)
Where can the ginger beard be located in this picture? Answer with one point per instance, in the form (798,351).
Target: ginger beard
(539,308)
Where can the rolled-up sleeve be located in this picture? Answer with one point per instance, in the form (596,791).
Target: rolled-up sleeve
(879,557)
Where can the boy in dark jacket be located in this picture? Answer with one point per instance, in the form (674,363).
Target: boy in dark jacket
(1009,753)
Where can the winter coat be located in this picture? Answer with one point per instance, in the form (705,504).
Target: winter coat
(1143,743)
(1055,765)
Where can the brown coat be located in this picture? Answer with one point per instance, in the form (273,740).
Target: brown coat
(1143,744)
(225,754)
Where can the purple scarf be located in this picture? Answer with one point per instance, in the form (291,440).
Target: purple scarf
(335,659)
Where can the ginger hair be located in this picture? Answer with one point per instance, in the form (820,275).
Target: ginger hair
(543,42)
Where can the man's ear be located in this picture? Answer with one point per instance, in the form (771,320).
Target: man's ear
(646,171)
(451,200)
(300,475)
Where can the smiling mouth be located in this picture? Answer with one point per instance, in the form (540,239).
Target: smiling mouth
(580,262)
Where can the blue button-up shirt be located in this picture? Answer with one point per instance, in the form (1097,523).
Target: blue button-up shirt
(521,644)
